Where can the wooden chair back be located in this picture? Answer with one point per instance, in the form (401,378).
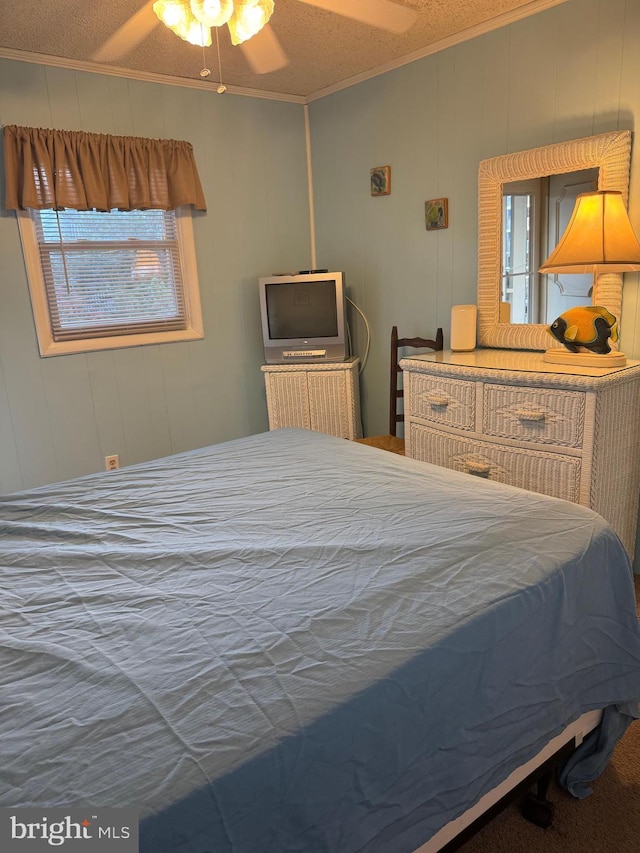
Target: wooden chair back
(397,393)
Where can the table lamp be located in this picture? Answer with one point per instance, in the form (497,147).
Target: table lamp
(598,239)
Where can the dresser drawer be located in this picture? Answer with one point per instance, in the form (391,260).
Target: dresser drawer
(443,401)
(541,415)
(548,473)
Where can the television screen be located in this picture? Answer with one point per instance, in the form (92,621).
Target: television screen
(304,317)
(302,310)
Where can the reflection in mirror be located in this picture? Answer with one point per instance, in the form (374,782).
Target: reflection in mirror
(525,201)
(535,214)
(522,232)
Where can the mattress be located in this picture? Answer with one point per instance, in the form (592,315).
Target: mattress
(292,642)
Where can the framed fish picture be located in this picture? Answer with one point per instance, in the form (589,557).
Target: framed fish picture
(436,214)
(381,180)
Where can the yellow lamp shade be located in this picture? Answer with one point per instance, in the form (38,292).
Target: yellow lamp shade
(598,238)
(249,17)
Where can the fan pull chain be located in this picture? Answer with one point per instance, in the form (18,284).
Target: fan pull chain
(221,88)
(205,71)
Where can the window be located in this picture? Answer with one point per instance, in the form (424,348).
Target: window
(521,211)
(104,280)
(105,223)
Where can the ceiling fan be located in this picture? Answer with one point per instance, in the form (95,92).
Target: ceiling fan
(262,50)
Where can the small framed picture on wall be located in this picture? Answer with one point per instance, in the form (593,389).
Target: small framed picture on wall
(381,180)
(436,214)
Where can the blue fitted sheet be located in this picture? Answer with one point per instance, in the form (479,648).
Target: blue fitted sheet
(292,642)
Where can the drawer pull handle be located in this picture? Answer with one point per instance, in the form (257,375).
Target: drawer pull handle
(435,400)
(531,415)
(478,469)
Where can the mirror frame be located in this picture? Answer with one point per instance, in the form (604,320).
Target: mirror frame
(611,154)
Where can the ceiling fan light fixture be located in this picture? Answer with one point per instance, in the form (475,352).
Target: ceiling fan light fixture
(178,17)
(248,18)
(212,13)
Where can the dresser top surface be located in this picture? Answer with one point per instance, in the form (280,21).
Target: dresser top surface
(518,360)
(521,368)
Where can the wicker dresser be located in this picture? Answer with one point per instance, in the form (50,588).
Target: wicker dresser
(323,397)
(507,415)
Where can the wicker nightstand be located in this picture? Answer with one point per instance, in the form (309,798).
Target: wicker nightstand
(506,415)
(322,397)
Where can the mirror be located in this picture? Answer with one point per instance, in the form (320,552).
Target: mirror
(609,153)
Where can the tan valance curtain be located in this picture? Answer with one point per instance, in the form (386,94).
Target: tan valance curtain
(60,168)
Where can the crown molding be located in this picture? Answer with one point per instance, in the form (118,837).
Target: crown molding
(145,76)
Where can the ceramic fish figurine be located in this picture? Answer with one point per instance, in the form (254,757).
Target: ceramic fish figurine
(588,327)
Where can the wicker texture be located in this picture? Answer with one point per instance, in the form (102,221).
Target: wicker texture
(288,400)
(444,401)
(548,473)
(541,416)
(615,475)
(321,397)
(568,435)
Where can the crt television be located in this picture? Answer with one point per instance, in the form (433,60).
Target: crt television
(304,317)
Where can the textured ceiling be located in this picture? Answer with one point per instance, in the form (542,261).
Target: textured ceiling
(324,50)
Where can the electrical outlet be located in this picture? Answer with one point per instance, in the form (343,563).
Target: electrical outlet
(111,462)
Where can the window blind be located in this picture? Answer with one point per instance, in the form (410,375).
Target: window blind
(110,274)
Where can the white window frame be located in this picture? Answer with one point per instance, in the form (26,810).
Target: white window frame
(533,189)
(189,271)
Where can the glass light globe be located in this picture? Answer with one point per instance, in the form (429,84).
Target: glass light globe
(212,13)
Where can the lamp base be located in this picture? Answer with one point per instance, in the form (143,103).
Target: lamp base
(585,359)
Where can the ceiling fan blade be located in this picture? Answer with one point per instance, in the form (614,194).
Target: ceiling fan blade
(381,14)
(264,53)
(130,34)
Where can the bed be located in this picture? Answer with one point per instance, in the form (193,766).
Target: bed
(293,642)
